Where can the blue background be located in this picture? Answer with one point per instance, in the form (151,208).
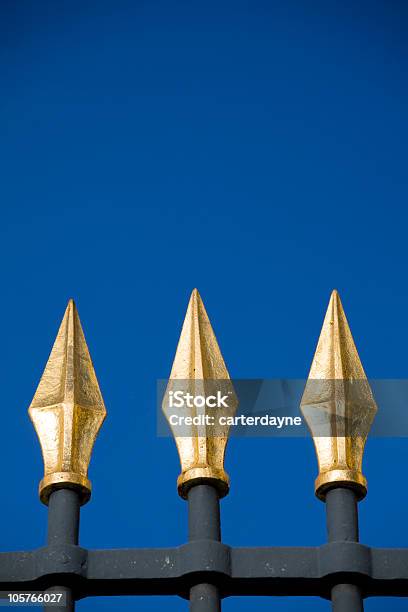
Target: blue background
(255,150)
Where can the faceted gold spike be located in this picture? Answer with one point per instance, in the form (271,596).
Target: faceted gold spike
(67,410)
(199,370)
(338,405)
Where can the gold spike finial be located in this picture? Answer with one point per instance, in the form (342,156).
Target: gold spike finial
(199,370)
(67,410)
(338,405)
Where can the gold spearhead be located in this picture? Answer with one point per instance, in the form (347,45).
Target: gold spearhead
(67,410)
(199,369)
(338,405)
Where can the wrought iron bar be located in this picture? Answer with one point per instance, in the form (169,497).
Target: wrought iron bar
(204,524)
(256,571)
(63,529)
(342,526)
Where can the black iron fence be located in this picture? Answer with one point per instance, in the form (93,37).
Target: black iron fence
(67,412)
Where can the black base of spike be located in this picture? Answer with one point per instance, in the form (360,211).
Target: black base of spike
(342,526)
(204,526)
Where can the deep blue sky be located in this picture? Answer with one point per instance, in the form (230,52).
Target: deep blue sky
(256,150)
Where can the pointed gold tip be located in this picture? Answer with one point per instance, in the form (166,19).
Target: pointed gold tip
(198,356)
(336,356)
(67,410)
(199,370)
(338,404)
(71,305)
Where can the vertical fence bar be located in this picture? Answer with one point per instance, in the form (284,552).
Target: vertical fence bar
(342,525)
(67,412)
(338,395)
(63,528)
(204,524)
(199,370)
